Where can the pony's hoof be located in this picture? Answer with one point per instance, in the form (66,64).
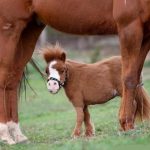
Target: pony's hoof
(90,131)
(75,136)
(89,134)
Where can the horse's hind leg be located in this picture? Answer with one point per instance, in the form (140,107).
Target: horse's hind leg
(89,126)
(24,52)
(131,37)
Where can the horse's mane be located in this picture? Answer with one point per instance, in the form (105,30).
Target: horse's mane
(53,53)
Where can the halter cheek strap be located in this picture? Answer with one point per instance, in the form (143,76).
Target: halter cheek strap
(140,85)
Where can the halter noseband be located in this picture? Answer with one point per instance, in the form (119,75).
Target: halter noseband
(59,82)
(54,79)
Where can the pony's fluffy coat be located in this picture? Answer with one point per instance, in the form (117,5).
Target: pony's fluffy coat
(96,83)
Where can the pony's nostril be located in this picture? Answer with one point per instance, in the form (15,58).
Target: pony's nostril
(55,83)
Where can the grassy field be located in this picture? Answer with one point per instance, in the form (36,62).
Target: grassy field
(48,121)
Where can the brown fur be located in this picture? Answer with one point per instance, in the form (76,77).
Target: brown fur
(21,22)
(54,55)
(89,84)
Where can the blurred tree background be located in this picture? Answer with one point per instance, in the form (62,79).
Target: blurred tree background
(85,49)
(96,47)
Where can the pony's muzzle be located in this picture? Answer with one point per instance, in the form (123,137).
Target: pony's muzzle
(53,86)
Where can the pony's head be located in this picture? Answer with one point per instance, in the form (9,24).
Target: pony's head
(56,69)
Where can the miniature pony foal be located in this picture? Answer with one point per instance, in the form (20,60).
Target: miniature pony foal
(89,84)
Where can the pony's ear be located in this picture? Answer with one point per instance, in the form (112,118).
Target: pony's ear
(63,56)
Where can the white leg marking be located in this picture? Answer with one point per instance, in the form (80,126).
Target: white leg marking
(16,133)
(4,134)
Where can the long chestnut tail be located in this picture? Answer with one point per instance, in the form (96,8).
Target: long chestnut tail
(143,104)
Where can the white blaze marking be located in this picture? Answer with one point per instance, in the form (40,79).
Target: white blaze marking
(53,85)
(53,72)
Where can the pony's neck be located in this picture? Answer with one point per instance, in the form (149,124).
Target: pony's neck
(69,74)
(72,71)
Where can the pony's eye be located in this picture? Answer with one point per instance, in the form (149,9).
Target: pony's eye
(62,71)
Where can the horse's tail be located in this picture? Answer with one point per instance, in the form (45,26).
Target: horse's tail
(143,104)
(24,83)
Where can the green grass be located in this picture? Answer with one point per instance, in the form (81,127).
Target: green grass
(147,64)
(48,120)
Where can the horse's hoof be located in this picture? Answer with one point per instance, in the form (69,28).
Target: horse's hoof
(16,133)
(126,127)
(126,123)
(8,141)
(5,137)
(21,139)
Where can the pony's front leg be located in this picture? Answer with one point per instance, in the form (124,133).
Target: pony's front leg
(89,126)
(131,37)
(80,118)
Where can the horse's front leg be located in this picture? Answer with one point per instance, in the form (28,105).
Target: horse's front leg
(24,52)
(12,99)
(80,118)
(89,126)
(131,37)
(9,37)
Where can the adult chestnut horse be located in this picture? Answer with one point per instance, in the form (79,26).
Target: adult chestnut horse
(21,22)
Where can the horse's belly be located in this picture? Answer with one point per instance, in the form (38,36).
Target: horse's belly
(76,16)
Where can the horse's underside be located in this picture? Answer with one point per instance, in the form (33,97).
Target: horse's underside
(21,22)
